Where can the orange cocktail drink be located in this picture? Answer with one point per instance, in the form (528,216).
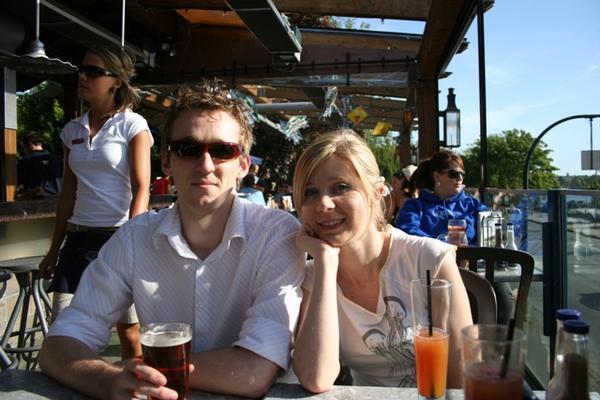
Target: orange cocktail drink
(431,359)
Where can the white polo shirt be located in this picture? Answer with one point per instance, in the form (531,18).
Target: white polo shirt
(103,193)
(246,293)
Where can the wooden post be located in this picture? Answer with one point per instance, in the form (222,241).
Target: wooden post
(8,135)
(428,118)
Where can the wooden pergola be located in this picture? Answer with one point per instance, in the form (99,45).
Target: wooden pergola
(251,47)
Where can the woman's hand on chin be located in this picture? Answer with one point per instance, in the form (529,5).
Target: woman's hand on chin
(307,240)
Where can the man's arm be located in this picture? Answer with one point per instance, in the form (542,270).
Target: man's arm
(234,371)
(72,363)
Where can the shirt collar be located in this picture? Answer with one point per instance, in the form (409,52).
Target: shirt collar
(170,229)
(84,120)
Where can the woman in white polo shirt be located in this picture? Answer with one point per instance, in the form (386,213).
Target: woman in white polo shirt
(106,178)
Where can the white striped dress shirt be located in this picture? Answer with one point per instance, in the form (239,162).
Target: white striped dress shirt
(246,293)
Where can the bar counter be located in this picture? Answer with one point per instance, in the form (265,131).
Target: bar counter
(46,208)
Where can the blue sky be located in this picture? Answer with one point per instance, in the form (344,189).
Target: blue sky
(542,65)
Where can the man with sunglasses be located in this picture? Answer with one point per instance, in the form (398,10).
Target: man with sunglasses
(228,267)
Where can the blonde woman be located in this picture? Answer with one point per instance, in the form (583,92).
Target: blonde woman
(356,306)
(106,178)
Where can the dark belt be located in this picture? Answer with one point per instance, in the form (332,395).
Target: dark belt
(92,229)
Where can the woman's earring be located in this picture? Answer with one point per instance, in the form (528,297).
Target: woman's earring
(437,183)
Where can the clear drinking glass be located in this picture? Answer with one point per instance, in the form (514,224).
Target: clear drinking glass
(493,365)
(457,232)
(430,310)
(166,347)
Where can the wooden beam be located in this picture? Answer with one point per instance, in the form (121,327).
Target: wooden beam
(8,135)
(349,39)
(378,102)
(211,17)
(446,27)
(428,118)
(236,57)
(417,10)
(374,91)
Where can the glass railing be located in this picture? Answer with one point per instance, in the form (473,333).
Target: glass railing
(566,224)
(582,275)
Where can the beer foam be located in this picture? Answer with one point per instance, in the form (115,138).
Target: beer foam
(164,339)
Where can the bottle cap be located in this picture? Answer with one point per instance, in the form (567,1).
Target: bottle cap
(577,326)
(498,224)
(509,224)
(564,314)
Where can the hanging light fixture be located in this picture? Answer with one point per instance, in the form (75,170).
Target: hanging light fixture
(451,122)
(35,61)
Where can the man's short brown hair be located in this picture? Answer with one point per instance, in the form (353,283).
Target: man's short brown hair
(209,97)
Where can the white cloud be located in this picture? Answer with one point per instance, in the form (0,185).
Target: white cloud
(509,116)
(590,71)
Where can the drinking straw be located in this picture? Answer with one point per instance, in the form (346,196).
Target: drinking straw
(429,303)
(509,338)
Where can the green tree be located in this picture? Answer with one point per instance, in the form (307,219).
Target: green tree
(43,114)
(506,160)
(384,149)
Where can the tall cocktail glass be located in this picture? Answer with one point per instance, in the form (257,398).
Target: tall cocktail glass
(493,365)
(430,309)
(166,347)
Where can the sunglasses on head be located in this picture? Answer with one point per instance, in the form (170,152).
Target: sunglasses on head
(92,71)
(455,174)
(222,151)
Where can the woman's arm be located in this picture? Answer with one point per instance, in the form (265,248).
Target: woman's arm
(460,316)
(139,170)
(64,210)
(316,348)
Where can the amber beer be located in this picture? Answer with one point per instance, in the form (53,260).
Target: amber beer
(166,347)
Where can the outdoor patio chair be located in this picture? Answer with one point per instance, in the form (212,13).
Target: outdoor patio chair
(482,297)
(491,255)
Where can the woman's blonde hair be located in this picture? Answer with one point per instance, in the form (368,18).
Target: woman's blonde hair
(346,144)
(122,64)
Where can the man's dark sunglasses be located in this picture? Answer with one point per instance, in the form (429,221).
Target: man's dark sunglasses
(92,71)
(222,151)
(455,174)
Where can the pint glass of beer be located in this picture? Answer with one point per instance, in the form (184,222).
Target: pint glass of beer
(166,347)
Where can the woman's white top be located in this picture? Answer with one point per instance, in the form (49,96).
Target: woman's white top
(378,346)
(101,166)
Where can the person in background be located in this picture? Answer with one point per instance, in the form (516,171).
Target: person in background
(401,188)
(441,198)
(106,179)
(248,192)
(39,172)
(356,305)
(228,267)
(254,169)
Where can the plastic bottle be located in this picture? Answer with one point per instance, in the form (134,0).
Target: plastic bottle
(499,265)
(572,376)
(510,243)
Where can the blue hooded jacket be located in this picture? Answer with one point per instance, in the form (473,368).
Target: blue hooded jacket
(428,215)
